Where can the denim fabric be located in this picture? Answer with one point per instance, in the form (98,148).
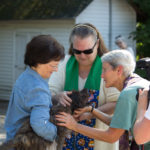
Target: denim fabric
(30,97)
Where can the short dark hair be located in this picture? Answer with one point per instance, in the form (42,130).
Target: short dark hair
(43,49)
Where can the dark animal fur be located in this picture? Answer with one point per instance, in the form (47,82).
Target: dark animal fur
(26,139)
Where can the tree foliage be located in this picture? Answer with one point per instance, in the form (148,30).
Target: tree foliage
(142,33)
(40,9)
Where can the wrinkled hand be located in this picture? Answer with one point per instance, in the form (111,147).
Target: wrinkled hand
(66,120)
(64,99)
(82,113)
(84,116)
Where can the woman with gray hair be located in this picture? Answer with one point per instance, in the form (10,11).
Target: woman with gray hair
(124,59)
(118,67)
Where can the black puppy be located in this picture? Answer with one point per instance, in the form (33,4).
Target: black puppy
(27,139)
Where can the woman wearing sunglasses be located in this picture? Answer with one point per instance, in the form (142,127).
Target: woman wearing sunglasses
(82,68)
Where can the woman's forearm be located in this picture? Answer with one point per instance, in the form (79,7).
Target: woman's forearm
(95,133)
(108,108)
(110,135)
(104,112)
(102,116)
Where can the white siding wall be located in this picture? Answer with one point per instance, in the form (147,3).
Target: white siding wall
(6,60)
(61,32)
(13,39)
(123,21)
(97,13)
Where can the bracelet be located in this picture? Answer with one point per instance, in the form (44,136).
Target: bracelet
(92,109)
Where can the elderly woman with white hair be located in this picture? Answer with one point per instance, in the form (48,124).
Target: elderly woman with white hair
(118,68)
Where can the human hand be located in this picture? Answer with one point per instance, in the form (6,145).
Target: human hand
(64,99)
(84,116)
(143,99)
(66,120)
(81,111)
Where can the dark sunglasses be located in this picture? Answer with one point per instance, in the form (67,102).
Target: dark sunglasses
(88,51)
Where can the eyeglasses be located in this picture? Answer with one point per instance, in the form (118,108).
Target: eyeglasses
(53,66)
(87,51)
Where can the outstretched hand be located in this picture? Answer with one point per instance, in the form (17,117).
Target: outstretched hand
(64,99)
(82,113)
(66,120)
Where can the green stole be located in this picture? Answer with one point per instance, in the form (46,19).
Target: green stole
(72,74)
